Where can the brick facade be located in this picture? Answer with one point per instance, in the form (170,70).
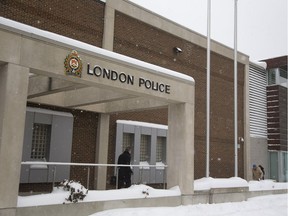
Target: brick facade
(155,46)
(277,108)
(277,117)
(85,22)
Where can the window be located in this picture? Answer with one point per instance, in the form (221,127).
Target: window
(145,148)
(277,76)
(161,149)
(40,141)
(283,78)
(274,166)
(285,166)
(271,77)
(128,140)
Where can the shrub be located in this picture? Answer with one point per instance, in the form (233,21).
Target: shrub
(77,191)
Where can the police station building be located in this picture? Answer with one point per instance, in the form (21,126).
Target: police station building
(80,82)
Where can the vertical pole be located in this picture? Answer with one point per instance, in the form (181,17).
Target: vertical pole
(235,92)
(54,176)
(208,91)
(88,177)
(117,177)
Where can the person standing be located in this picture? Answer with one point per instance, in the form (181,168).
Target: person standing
(124,172)
(257,173)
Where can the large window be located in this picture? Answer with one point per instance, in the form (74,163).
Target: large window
(40,141)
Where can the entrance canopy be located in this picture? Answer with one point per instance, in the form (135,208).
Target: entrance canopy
(47,68)
(104,81)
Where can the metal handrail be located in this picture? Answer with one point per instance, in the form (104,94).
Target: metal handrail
(87,165)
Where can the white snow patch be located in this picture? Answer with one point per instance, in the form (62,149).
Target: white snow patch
(208,183)
(143,124)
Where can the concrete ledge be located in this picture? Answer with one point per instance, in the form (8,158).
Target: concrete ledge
(252,194)
(87,208)
(220,195)
(215,195)
(8,211)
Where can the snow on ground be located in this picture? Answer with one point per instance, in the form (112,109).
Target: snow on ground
(208,183)
(263,206)
(58,195)
(259,206)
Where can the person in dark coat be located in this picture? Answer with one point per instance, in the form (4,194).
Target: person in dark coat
(124,172)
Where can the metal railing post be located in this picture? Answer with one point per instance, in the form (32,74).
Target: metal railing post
(117,170)
(164,178)
(54,176)
(88,177)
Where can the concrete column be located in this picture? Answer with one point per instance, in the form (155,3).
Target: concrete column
(180,148)
(13,97)
(102,150)
(108,34)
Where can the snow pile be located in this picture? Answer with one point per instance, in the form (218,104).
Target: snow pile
(144,191)
(208,183)
(134,192)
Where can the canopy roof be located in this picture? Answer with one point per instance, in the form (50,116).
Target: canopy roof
(109,82)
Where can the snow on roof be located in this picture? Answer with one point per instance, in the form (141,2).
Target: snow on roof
(36,33)
(143,124)
(260,64)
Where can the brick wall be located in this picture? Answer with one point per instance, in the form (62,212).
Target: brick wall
(71,18)
(139,40)
(277,117)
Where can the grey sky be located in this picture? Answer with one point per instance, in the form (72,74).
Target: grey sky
(262,24)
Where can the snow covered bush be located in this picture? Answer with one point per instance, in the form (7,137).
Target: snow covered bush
(77,191)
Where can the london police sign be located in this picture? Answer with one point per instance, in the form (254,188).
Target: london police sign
(128,79)
(73,66)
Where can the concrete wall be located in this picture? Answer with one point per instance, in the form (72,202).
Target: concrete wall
(259,153)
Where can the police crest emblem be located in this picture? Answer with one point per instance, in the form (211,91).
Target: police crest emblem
(73,64)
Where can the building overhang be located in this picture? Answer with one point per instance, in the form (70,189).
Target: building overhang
(109,82)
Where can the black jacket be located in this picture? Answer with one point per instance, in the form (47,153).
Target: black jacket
(125,158)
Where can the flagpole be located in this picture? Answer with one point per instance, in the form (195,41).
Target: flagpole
(208,91)
(235,92)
